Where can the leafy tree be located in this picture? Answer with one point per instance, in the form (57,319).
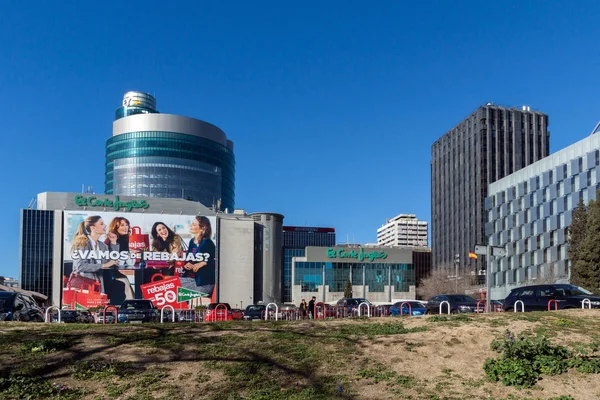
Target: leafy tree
(576,234)
(348,289)
(588,264)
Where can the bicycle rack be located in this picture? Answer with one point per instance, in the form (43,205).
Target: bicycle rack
(368,309)
(225,311)
(555,304)
(522,306)
(162,313)
(442,303)
(380,311)
(409,309)
(323,314)
(267,311)
(48,309)
(116,314)
(484,306)
(337,312)
(189,314)
(586,301)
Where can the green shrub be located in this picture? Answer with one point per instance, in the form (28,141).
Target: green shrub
(46,345)
(511,372)
(100,369)
(586,365)
(523,359)
(18,387)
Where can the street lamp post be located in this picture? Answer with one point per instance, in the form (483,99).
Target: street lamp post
(488,252)
(456,262)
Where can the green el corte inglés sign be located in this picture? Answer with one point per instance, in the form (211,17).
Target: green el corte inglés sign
(116,204)
(361,255)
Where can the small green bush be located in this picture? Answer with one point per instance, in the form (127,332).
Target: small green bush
(586,365)
(523,359)
(18,387)
(46,345)
(437,318)
(100,369)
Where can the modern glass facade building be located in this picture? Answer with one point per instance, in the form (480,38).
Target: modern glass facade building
(489,144)
(169,156)
(377,273)
(37,251)
(295,241)
(529,211)
(309,275)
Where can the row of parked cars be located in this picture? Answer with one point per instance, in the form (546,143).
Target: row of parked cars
(526,298)
(21,307)
(529,298)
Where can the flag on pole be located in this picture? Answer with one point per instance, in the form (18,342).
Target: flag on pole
(472,255)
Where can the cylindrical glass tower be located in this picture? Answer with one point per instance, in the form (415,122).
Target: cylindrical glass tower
(163,155)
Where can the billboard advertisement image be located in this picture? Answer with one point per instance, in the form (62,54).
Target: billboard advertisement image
(110,257)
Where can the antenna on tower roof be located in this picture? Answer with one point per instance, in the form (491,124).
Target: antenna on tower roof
(595,128)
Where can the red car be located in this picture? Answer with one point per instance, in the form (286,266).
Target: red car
(218,312)
(236,313)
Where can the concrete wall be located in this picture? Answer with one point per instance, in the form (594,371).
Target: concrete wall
(235,275)
(272,255)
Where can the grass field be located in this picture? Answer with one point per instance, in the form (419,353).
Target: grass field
(432,357)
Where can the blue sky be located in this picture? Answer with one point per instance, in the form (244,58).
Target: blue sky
(332,107)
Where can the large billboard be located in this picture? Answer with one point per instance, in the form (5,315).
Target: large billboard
(110,257)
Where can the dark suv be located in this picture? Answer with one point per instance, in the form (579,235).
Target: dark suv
(19,307)
(459,303)
(138,311)
(536,297)
(352,304)
(254,312)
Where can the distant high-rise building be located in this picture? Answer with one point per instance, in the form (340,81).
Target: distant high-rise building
(404,230)
(169,156)
(491,143)
(295,241)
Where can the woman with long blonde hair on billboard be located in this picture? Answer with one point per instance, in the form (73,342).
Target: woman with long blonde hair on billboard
(164,239)
(200,275)
(87,268)
(121,227)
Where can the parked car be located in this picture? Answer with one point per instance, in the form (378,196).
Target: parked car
(19,307)
(416,308)
(536,297)
(459,303)
(66,316)
(86,317)
(136,311)
(74,316)
(236,313)
(352,303)
(188,316)
(380,310)
(218,314)
(254,312)
(497,305)
(403,300)
(110,317)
